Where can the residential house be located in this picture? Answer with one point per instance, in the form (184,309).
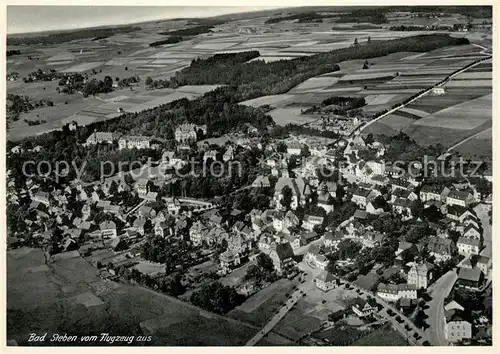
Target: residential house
(332,239)
(189,132)
(229,260)
(308,237)
(173,205)
(100,137)
(228,154)
(440,248)
(392,292)
(210,155)
(197,233)
(142,186)
(310,221)
(468,246)
(457,329)
(139,224)
(371,239)
(326,281)
(294,148)
(470,278)
(108,229)
(472,232)
(360,197)
(282,256)
(460,198)
(362,308)
(420,275)
(261,182)
(484,264)
(438,193)
(300,191)
(41,197)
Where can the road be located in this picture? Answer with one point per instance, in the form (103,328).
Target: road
(439,291)
(467,139)
(444,81)
(482,213)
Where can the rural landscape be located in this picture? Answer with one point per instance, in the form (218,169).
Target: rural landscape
(317,176)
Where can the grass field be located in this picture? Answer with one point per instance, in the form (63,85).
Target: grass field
(260,307)
(381,337)
(69,297)
(284,116)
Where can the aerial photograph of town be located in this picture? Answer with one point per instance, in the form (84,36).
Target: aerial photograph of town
(303,176)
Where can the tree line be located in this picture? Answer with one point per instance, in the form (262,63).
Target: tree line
(258,78)
(67,36)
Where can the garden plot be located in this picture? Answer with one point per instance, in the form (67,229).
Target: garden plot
(62,57)
(469,83)
(273,100)
(379,99)
(118,61)
(474,76)
(396,121)
(464,116)
(56,63)
(215,45)
(314,84)
(415,112)
(82,67)
(284,116)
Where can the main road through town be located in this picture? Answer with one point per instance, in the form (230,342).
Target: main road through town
(439,291)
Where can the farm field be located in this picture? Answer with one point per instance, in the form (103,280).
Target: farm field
(480,146)
(463,111)
(284,116)
(69,297)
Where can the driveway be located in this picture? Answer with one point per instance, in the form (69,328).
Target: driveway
(440,290)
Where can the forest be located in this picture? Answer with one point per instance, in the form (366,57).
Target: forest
(169,40)
(13,52)
(62,37)
(258,78)
(192,31)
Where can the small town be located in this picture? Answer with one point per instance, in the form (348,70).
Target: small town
(286,177)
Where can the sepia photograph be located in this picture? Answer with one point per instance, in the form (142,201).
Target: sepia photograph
(249,176)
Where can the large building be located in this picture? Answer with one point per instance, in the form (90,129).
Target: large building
(100,137)
(189,132)
(130,142)
(420,275)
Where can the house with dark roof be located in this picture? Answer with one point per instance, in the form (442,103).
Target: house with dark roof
(460,198)
(471,231)
(457,329)
(362,308)
(470,278)
(326,281)
(282,256)
(484,263)
(440,248)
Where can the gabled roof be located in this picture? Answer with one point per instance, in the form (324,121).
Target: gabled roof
(469,241)
(473,274)
(326,277)
(106,225)
(284,251)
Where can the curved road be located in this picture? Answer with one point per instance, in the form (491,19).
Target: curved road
(440,290)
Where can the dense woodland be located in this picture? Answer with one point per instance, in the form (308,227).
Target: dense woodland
(169,40)
(192,31)
(373,15)
(13,52)
(62,37)
(258,78)
(337,105)
(301,17)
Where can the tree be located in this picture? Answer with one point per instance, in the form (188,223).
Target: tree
(287,194)
(108,81)
(149,81)
(281,147)
(366,65)
(265,262)
(126,68)
(417,208)
(216,297)
(369,40)
(356,41)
